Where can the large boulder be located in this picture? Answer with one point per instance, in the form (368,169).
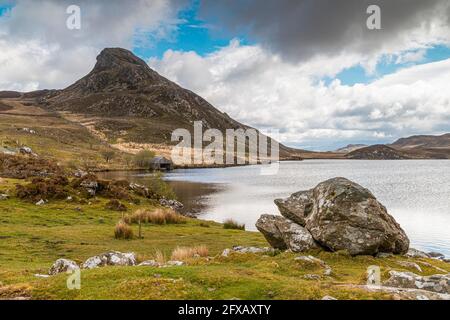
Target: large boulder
(282,233)
(346,216)
(297,207)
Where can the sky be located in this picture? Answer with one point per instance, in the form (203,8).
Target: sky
(310,69)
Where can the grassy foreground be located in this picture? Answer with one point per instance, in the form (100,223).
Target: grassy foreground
(33,237)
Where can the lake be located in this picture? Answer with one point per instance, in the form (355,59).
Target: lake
(415,192)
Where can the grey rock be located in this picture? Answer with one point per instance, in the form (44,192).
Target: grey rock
(436,283)
(436,255)
(241,249)
(383,255)
(149,263)
(282,233)
(40,203)
(175,263)
(63,265)
(411,265)
(3,196)
(297,207)
(328,298)
(113,258)
(311,277)
(414,253)
(170,203)
(346,216)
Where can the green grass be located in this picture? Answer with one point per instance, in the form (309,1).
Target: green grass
(33,237)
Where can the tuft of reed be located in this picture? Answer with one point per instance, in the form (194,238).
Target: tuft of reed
(123,231)
(232,224)
(184,253)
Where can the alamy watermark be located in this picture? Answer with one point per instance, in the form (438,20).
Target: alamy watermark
(374,20)
(373,276)
(73,281)
(73,21)
(236,147)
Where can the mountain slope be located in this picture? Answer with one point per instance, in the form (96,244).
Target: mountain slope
(125,102)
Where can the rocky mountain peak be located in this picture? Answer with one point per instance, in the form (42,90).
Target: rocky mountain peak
(111,58)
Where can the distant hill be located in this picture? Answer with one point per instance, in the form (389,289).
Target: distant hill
(425,146)
(351,147)
(424,141)
(377,152)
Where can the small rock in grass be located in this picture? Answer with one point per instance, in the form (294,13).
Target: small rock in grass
(149,263)
(63,265)
(328,298)
(40,202)
(311,277)
(414,253)
(410,265)
(3,196)
(175,263)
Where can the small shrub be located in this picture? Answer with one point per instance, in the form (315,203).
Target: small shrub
(123,231)
(204,225)
(115,205)
(44,188)
(157,216)
(231,224)
(183,253)
(143,158)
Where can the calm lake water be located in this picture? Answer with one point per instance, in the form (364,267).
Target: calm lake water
(416,193)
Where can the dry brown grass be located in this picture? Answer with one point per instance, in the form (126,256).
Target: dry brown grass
(157,216)
(123,231)
(184,253)
(159,257)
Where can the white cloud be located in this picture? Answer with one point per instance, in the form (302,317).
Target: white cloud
(259,89)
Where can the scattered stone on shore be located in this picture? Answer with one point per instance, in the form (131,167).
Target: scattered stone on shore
(149,263)
(174,263)
(436,255)
(63,265)
(316,261)
(438,283)
(411,265)
(172,204)
(241,249)
(337,214)
(113,258)
(414,253)
(282,233)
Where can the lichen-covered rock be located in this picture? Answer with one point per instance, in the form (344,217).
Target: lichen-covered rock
(149,263)
(241,249)
(297,207)
(346,216)
(414,253)
(172,204)
(436,283)
(282,233)
(63,265)
(113,258)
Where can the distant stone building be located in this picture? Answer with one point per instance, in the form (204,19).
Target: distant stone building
(161,163)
